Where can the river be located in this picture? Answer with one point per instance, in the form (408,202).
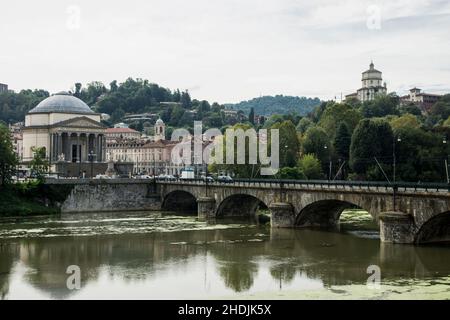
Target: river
(155,255)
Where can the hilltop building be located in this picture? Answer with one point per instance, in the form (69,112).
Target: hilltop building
(372,85)
(423,100)
(3,87)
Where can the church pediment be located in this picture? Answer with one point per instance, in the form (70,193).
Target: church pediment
(80,122)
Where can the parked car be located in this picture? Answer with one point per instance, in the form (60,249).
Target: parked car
(143,176)
(166,177)
(102,176)
(51,176)
(225,179)
(207,179)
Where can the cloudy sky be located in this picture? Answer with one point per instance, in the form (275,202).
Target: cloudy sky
(227,50)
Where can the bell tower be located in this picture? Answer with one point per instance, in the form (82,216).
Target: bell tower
(160,130)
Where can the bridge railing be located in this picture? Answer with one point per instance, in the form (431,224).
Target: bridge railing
(281,183)
(324,184)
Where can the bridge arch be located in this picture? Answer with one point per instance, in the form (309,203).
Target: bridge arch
(180,201)
(436,229)
(324,213)
(239,205)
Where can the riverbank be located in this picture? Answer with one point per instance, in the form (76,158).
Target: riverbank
(29,199)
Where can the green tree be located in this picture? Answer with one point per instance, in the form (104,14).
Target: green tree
(342,141)
(39,164)
(289,144)
(186,102)
(77,89)
(441,109)
(371,138)
(251,116)
(8,158)
(117,115)
(113,86)
(334,114)
(239,170)
(291,173)
(411,108)
(381,106)
(311,167)
(304,124)
(405,121)
(317,142)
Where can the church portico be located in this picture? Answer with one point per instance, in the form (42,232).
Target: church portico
(71,134)
(77,147)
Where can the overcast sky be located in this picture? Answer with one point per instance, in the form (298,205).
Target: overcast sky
(227,50)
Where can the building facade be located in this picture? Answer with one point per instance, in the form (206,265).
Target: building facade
(423,100)
(150,156)
(371,85)
(70,132)
(3,87)
(122,133)
(16,131)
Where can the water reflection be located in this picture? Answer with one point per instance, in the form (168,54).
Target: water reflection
(179,257)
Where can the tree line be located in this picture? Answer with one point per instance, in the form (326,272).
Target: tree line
(361,141)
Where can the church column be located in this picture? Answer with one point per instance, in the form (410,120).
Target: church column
(78,148)
(95,146)
(60,145)
(86,158)
(103,147)
(68,151)
(99,148)
(52,150)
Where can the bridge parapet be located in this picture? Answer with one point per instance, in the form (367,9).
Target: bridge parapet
(413,213)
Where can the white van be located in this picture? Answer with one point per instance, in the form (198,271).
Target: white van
(187,174)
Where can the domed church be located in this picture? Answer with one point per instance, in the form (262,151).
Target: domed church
(70,132)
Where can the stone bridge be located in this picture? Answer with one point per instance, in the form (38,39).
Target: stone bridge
(406,214)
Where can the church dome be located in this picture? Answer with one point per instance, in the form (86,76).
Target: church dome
(62,102)
(159,122)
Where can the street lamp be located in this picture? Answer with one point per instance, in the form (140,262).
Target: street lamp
(444,142)
(279,173)
(394,187)
(398,139)
(329,159)
(91,157)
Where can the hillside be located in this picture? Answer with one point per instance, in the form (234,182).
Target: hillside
(279,104)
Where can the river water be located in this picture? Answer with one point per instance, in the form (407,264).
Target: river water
(163,256)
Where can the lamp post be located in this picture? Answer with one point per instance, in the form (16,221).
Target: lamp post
(279,173)
(444,142)
(154,164)
(329,160)
(394,155)
(91,156)
(206,179)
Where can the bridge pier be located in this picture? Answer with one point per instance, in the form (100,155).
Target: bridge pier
(206,208)
(397,227)
(283,215)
